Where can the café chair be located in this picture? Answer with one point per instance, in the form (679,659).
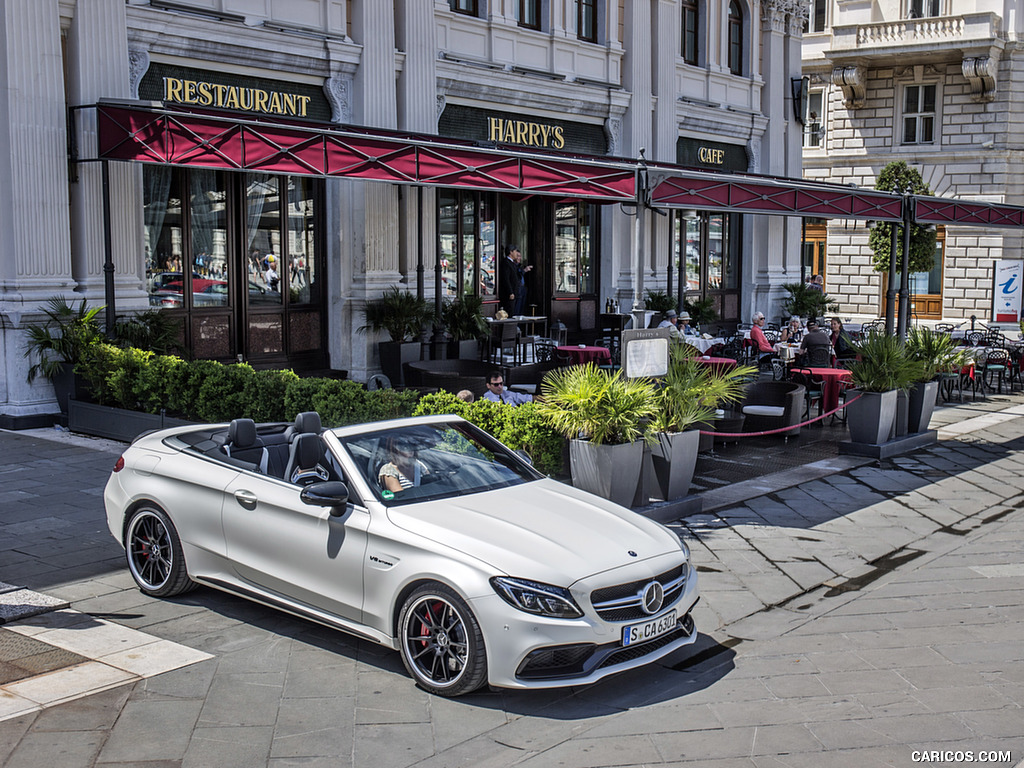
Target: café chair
(771,405)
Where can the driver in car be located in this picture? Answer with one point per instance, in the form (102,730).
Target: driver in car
(404,470)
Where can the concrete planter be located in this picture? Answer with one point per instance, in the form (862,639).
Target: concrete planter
(871,416)
(922,405)
(670,464)
(115,423)
(394,355)
(613,472)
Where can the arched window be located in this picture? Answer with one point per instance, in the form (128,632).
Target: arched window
(735,38)
(691,26)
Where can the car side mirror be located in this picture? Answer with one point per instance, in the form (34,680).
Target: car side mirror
(331,493)
(524,456)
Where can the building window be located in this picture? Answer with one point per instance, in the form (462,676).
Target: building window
(735,38)
(468,7)
(920,9)
(466,225)
(690,26)
(575,248)
(919,114)
(816,18)
(529,14)
(814,119)
(586,20)
(706,261)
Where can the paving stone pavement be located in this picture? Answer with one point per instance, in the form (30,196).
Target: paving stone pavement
(854,613)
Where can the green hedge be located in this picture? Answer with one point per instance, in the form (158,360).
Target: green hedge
(208,391)
(519,427)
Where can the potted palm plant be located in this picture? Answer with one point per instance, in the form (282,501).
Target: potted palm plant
(59,343)
(402,315)
(883,368)
(604,415)
(937,355)
(806,302)
(465,322)
(689,394)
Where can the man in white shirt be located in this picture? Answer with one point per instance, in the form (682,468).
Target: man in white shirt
(497,393)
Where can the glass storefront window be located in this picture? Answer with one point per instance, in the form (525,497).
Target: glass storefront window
(448,227)
(263,237)
(208,219)
(575,248)
(467,227)
(693,251)
(707,245)
(162,230)
(468,245)
(302,275)
(930,282)
(488,247)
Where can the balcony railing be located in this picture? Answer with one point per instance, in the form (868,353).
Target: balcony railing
(968,32)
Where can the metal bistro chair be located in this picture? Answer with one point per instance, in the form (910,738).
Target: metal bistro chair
(505,343)
(995,367)
(976,338)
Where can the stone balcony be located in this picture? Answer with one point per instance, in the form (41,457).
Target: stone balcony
(974,40)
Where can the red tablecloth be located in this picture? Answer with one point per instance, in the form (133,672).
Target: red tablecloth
(717,362)
(578,355)
(830,378)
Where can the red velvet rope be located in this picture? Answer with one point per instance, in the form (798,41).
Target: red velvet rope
(781,429)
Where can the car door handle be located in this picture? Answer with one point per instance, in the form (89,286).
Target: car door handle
(246,498)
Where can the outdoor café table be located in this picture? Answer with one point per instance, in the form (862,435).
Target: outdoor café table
(701,344)
(830,378)
(585,354)
(718,363)
(529,323)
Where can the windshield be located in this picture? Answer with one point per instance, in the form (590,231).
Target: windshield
(425,462)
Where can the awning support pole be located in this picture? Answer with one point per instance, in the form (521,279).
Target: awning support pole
(890,294)
(642,196)
(108,255)
(904,319)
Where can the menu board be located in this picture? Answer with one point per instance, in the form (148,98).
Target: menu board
(645,353)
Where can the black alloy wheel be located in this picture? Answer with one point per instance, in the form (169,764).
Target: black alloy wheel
(442,645)
(154,554)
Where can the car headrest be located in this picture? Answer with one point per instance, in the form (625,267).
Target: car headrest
(307,450)
(307,422)
(242,433)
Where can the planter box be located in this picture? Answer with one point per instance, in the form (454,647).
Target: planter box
(394,355)
(871,416)
(670,463)
(922,405)
(613,472)
(115,423)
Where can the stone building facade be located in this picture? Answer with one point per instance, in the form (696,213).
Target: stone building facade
(931,83)
(708,84)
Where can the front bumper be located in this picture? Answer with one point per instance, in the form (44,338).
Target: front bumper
(525,651)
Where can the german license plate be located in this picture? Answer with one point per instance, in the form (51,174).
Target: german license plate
(648,630)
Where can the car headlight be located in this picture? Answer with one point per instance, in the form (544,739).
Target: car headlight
(685,547)
(534,597)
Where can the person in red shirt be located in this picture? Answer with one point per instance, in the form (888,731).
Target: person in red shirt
(763,348)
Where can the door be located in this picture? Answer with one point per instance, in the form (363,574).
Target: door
(814,249)
(286,547)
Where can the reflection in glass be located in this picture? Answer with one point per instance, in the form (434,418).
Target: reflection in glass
(448,223)
(263,237)
(207,192)
(693,250)
(301,241)
(566,242)
(163,236)
(488,246)
(468,244)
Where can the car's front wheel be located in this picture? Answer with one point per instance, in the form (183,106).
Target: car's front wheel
(154,554)
(442,645)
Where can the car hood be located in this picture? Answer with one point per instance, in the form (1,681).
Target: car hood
(543,530)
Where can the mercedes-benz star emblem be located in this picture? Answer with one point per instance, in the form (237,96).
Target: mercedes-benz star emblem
(652,598)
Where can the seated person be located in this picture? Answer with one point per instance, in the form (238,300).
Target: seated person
(762,348)
(404,470)
(792,333)
(816,348)
(841,342)
(671,321)
(684,328)
(497,393)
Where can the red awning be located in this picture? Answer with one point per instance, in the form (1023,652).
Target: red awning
(938,210)
(767,195)
(182,138)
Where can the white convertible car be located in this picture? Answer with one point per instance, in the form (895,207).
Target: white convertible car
(426,535)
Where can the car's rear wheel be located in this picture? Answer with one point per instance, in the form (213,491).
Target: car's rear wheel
(154,553)
(442,645)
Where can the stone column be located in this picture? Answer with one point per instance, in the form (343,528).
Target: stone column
(98,68)
(35,251)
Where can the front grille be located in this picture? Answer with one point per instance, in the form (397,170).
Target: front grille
(622,602)
(557,661)
(685,628)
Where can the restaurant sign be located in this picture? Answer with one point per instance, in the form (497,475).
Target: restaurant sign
(714,155)
(188,86)
(485,125)
(1006,298)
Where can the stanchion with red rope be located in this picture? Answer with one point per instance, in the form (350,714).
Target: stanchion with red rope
(781,429)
